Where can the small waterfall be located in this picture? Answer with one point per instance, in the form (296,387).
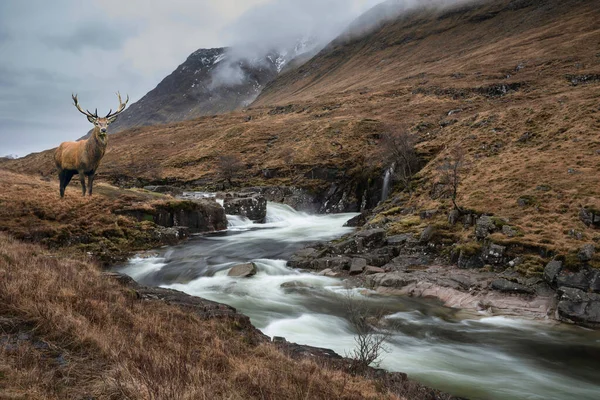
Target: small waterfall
(387,178)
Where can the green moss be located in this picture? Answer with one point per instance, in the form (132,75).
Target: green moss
(469,248)
(392,211)
(571,262)
(498,222)
(531,266)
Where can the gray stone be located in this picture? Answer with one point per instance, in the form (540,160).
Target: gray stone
(253,207)
(427,234)
(509,231)
(391,280)
(503,285)
(329,273)
(336,263)
(296,285)
(243,270)
(590,217)
(346,246)
(552,270)
(577,306)
(453,217)
(484,226)
(587,252)
(428,214)
(470,261)
(172,235)
(372,238)
(494,254)
(578,280)
(595,281)
(357,221)
(398,239)
(357,266)
(370,270)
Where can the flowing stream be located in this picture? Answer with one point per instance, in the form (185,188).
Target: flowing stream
(476,356)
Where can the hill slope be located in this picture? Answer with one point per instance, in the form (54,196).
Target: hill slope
(514,83)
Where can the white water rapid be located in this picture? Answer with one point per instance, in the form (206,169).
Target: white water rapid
(479,358)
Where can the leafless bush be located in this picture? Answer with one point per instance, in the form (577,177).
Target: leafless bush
(229,166)
(370,341)
(399,147)
(451,172)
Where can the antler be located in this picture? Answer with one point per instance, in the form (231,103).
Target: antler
(87,113)
(120,108)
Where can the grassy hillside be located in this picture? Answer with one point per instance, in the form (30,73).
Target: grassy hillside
(515,84)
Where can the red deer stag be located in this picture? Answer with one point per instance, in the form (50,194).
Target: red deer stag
(83,157)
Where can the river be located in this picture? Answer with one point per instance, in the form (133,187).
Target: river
(476,356)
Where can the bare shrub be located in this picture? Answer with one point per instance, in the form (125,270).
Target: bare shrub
(370,341)
(229,167)
(451,172)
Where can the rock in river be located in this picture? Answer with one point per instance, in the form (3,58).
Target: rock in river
(243,270)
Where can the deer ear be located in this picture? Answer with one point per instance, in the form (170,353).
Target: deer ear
(91,119)
(112,119)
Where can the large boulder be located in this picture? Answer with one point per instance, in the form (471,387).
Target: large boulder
(253,207)
(243,270)
(357,266)
(577,306)
(552,270)
(586,253)
(484,226)
(494,254)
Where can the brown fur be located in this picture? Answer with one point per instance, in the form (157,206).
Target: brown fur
(81,157)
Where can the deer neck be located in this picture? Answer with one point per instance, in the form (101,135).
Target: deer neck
(96,144)
(99,138)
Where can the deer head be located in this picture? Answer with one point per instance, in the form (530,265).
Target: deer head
(101,123)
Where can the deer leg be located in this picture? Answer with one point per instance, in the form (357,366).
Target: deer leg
(91,182)
(61,178)
(64,177)
(82,180)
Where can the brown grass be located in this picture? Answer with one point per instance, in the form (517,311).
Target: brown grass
(68,332)
(32,210)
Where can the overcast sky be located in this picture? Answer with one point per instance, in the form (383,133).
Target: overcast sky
(52,48)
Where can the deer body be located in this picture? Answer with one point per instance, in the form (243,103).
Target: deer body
(84,157)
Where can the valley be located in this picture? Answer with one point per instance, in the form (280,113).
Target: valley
(485,256)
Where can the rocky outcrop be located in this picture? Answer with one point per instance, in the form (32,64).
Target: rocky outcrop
(590,217)
(250,205)
(198,216)
(577,306)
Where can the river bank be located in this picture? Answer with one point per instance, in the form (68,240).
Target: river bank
(472,354)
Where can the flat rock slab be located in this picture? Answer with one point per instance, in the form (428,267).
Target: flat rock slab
(506,286)
(243,270)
